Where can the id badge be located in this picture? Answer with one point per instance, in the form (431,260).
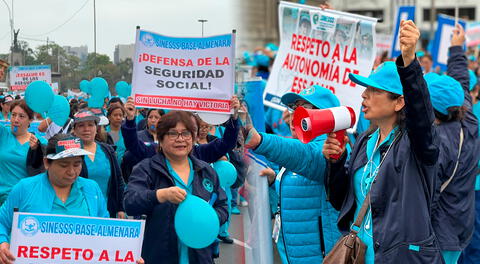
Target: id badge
(276,228)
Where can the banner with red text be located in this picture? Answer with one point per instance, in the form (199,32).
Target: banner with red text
(321,47)
(22,76)
(44,238)
(192,74)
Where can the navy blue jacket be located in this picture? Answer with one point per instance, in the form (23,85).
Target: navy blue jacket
(209,153)
(116,185)
(402,193)
(160,240)
(145,136)
(453,212)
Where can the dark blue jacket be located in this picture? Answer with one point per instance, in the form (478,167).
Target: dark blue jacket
(116,185)
(402,193)
(145,136)
(209,153)
(160,240)
(453,212)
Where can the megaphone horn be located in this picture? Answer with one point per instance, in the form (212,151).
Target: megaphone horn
(309,123)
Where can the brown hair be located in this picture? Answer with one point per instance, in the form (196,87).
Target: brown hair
(171,119)
(22,104)
(455,113)
(112,108)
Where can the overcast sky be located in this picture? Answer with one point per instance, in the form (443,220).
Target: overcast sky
(116,20)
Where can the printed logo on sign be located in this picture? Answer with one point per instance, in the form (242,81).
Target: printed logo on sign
(308,91)
(208,185)
(29,226)
(148,40)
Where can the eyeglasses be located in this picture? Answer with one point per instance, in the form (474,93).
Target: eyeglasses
(206,127)
(172,135)
(294,106)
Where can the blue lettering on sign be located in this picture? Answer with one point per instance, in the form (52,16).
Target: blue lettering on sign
(78,226)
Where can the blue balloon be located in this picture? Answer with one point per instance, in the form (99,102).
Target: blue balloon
(85,86)
(123,89)
(39,96)
(59,111)
(196,222)
(227,174)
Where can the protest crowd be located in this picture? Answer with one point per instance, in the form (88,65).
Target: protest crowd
(400,186)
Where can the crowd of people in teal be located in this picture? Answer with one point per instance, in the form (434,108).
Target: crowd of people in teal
(413,161)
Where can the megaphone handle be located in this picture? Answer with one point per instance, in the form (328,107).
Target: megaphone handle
(340,136)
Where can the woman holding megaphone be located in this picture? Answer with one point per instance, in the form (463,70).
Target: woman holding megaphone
(384,191)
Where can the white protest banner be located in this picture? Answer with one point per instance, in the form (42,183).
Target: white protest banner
(43,238)
(321,47)
(22,76)
(193,74)
(55,87)
(384,43)
(473,34)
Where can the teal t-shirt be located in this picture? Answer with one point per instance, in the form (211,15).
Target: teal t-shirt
(75,204)
(182,248)
(120,145)
(2,117)
(99,169)
(362,181)
(13,161)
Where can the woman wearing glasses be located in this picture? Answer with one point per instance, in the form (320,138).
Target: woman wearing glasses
(158,184)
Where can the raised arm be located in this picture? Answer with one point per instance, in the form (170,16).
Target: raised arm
(457,65)
(418,107)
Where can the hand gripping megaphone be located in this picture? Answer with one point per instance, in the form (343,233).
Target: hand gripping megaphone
(309,123)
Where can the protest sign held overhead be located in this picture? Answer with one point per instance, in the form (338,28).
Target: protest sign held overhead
(22,76)
(321,47)
(44,238)
(441,43)
(403,13)
(193,74)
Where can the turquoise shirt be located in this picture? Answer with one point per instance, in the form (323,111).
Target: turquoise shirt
(120,145)
(476,112)
(362,181)
(3,118)
(13,161)
(75,204)
(182,248)
(99,169)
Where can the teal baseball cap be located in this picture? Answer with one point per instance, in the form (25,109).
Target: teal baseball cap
(445,92)
(385,77)
(430,77)
(473,79)
(316,95)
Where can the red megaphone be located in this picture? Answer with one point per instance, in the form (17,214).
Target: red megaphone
(310,124)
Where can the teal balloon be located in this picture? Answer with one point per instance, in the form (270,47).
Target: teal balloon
(85,86)
(39,96)
(99,87)
(59,111)
(99,90)
(123,89)
(227,174)
(196,222)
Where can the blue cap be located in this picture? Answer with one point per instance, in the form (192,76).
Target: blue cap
(473,79)
(385,77)
(318,96)
(262,60)
(472,58)
(445,92)
(430,77)
(420,53)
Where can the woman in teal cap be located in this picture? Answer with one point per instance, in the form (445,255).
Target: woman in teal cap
(392,167)
(15,141)
(5,104)
(457,128)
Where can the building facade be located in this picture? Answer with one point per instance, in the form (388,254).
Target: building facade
(123,52)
